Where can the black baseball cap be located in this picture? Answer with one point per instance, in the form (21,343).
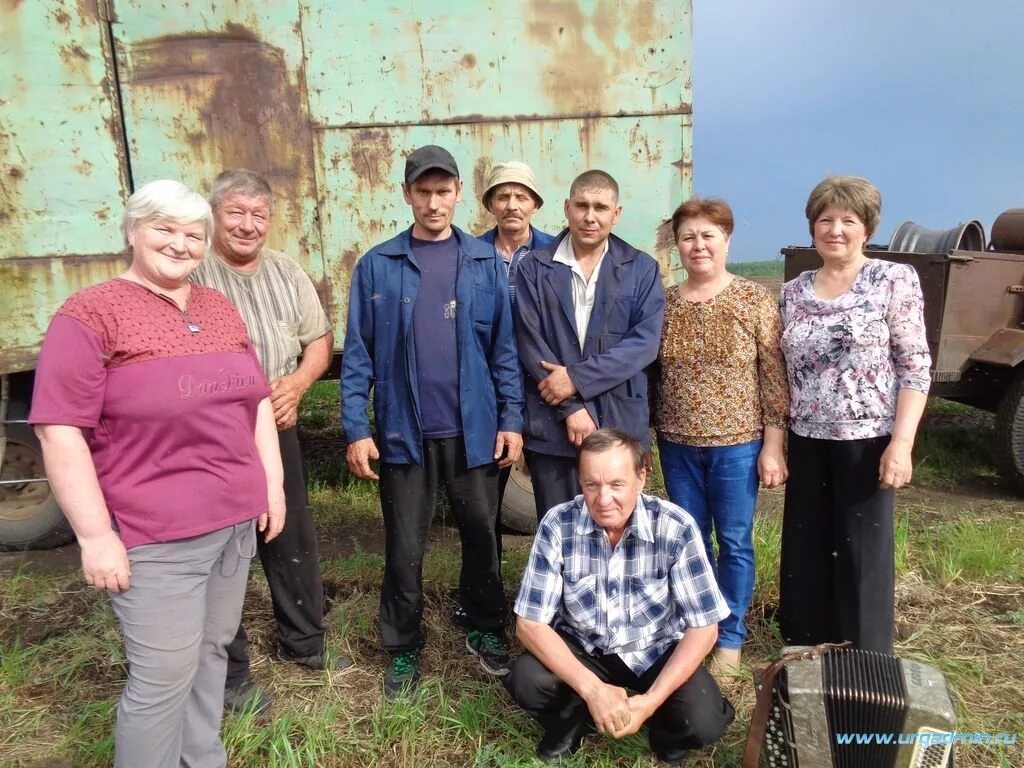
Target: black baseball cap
(429,158)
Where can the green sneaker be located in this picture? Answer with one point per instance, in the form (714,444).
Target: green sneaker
(491,652)
(403,674)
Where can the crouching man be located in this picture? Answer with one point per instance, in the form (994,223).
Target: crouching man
(617,609)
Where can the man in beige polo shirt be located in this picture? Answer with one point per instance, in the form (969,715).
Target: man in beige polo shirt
(286,322)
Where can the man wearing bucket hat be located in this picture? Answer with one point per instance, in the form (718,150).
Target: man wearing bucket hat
(512,197)
(430,333)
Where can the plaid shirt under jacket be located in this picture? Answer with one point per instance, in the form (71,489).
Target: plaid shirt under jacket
(633,601)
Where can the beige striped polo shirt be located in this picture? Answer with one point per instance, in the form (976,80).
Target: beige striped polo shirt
(278,303)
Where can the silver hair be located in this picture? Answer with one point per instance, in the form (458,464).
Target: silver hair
(240,182)
(166,199)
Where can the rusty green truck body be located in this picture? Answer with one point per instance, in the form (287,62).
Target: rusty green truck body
(326,99)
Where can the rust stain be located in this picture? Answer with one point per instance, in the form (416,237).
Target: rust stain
(640,147)
(587,130)
(74,51)
(250,106)
(575,74)
(371,157)
(61,17)
(349,257)
(84,168)
(664,246)
(15,172)
(642,25)
(483,220)
(605,20)
(663,239)
(468,61)
(103,214)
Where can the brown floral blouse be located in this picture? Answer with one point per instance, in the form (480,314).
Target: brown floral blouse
(722,378)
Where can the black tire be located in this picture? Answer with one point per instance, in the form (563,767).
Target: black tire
(1009,428)
(518,511)
(30,517)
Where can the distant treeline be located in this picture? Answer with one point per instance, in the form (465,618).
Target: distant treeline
(755,268)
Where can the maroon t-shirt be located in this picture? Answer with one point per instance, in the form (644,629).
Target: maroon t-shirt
(168,412)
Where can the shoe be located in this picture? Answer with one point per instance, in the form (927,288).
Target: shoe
(489,649)
(678,757)
(727,659)
(334,662)
(562,745)
(247,697)
(403,674)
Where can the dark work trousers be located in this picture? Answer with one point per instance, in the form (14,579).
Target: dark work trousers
(503,475)
(695,715)
(555,480)
(837,569)
(407,496)
(291,562)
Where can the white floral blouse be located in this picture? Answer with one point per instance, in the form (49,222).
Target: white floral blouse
(848,357)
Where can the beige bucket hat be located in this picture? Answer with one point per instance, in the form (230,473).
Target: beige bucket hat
(512,172)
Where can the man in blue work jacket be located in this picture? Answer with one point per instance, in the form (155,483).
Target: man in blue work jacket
(589,312)
(430,332)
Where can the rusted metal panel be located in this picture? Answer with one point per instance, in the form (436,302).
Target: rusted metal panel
(32,289)
(210,84)
(373,63)
(61,168)
(1005,347)
(63,176)
(362,170)
(222,85)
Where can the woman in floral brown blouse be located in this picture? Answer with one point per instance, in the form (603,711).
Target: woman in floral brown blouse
(721,403)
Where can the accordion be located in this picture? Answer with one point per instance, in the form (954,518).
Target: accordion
(834,707)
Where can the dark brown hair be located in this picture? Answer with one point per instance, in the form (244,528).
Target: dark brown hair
(605,439)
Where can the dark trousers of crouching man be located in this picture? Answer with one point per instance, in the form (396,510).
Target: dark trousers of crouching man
(695,715)
(617,609)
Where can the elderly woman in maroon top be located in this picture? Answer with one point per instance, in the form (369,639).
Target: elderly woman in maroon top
(159,441)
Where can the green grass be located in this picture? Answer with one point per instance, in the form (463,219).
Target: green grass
(960,606)
(757,268)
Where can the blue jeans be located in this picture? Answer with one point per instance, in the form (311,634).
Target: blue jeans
(718,487)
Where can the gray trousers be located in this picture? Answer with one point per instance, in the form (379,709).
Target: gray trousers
(180,611)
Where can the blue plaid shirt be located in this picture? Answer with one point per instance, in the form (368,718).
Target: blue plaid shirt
(634,600)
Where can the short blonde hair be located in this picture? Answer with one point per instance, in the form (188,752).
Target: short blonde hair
(166,199)
(849,192)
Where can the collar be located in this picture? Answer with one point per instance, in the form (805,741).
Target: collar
(237,270)
(491,236)
(401,245)
(639,522)
(566,254)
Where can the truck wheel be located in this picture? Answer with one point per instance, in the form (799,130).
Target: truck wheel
(518,512)
(29,515)
(1010,432)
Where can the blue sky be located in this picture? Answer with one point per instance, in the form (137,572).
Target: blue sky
(925,99)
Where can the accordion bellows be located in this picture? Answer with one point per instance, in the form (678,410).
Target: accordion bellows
(888,711)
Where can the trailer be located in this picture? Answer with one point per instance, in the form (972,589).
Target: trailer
(326,99)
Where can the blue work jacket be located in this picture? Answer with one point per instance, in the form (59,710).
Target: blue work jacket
(380,352)
(622,341)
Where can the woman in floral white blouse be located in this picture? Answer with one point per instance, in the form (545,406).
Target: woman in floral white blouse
(857,361)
